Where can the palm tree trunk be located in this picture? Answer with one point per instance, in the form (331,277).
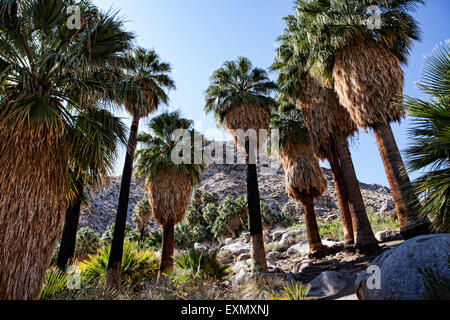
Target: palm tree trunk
(258,252)
(411,225)
(69,236)
(115,259)
(364,237)
(316,248)
(342,197)
(167,249)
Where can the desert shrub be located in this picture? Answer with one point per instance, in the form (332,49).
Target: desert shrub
(293,291)
(88,242)
(285,220)
(193,216)
(197,265)
(136,265)
(267,216)
(151,241)
(220,228)
(331,230)
(55,284)
(183,236)
(229,208)
(210,198)
(107,236)
(202,234)
(210,213)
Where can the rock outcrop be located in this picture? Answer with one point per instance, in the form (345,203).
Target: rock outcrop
(99,213)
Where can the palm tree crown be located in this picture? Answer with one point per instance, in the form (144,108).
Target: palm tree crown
(155,156)
(146,82)
(238,84)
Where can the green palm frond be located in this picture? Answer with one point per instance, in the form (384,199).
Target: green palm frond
(157,147)
(235,84)
(430,131)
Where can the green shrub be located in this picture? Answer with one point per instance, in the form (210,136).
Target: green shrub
(55,284)
(210,198)
(193,216)
(197,265)
(220,228)
(210,213)
(285,220)
(136,265)
(151,241)
(107,236)
(184,238)
(229,208)
(202,234)
(88,242)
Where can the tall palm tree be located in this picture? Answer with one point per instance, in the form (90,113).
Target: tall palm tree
(430,133)
(169,185)
(239,97)
(305,181)
(42,63)
(143,89)
(329,125)
(94,140)
(364,66)
(143,213)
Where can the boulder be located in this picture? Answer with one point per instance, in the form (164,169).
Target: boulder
(399,276)
(388,235)
(241,278)
(200,247)
(237,248)
(328,283)
(290,238)
(244,257)
(276,235)
(387,206)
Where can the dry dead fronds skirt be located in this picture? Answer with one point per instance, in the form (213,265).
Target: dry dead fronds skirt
(369,81)
(33,172)
(247,117)
(323,114)
(169,193)
(304,177)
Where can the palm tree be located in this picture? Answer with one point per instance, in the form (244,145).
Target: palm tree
(305,181)
(329,125)
(430,133)
(239,97)
(94,141)
(143,213)
(364,66)
(143,89)
(169,185)
(42,63)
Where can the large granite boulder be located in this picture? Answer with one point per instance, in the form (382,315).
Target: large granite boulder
(398,270)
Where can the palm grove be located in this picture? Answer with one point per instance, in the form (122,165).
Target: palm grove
(60,137)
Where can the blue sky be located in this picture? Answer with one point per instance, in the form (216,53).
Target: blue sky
(197,36)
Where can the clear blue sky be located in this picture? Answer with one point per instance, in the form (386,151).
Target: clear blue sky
(197,36)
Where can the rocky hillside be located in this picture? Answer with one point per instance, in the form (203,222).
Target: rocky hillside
(226,180)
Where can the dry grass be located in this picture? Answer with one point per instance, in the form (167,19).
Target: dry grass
(369,79)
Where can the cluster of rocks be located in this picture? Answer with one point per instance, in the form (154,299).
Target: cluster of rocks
(101,204)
